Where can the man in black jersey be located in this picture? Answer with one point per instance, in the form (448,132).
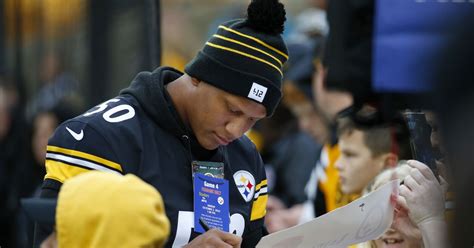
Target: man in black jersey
(167,121)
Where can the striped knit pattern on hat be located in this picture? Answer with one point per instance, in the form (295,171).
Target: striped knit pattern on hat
(244,62)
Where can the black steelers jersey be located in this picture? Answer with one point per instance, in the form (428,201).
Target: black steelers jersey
(139,132)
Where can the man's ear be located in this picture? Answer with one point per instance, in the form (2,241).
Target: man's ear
(195,81)
(390,160)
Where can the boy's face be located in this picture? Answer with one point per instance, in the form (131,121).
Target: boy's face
(356,165)
(218,118)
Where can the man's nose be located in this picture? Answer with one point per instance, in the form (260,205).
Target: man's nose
(237,127)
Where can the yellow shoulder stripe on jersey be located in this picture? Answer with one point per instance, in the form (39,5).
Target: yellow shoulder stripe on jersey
(262,183)
(259,207)
(61,171)
(84,155)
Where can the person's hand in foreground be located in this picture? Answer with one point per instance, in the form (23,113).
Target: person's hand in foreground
(217,239)
(421,197)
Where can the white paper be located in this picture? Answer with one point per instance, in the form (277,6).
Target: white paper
(364,219)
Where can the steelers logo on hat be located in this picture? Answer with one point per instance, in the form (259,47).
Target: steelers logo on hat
(245,183)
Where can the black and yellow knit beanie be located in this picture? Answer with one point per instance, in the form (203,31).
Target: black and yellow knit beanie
(245,57)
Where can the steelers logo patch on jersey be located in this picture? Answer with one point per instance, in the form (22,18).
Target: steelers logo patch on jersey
(245,183)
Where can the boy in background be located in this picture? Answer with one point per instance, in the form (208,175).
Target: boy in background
(367,151)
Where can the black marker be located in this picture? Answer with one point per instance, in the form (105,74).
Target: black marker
(206,227)
(204,224)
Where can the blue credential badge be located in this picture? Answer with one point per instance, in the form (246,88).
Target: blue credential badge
(211,203)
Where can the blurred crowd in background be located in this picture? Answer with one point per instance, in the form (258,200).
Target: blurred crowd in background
(60,58)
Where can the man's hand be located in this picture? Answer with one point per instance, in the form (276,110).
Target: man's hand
(217,239)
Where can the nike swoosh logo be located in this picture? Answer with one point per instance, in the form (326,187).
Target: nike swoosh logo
(76,136)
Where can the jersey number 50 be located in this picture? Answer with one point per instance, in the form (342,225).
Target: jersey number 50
(117,113)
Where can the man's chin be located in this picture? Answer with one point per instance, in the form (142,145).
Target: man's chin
(210,148)
(209,145)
